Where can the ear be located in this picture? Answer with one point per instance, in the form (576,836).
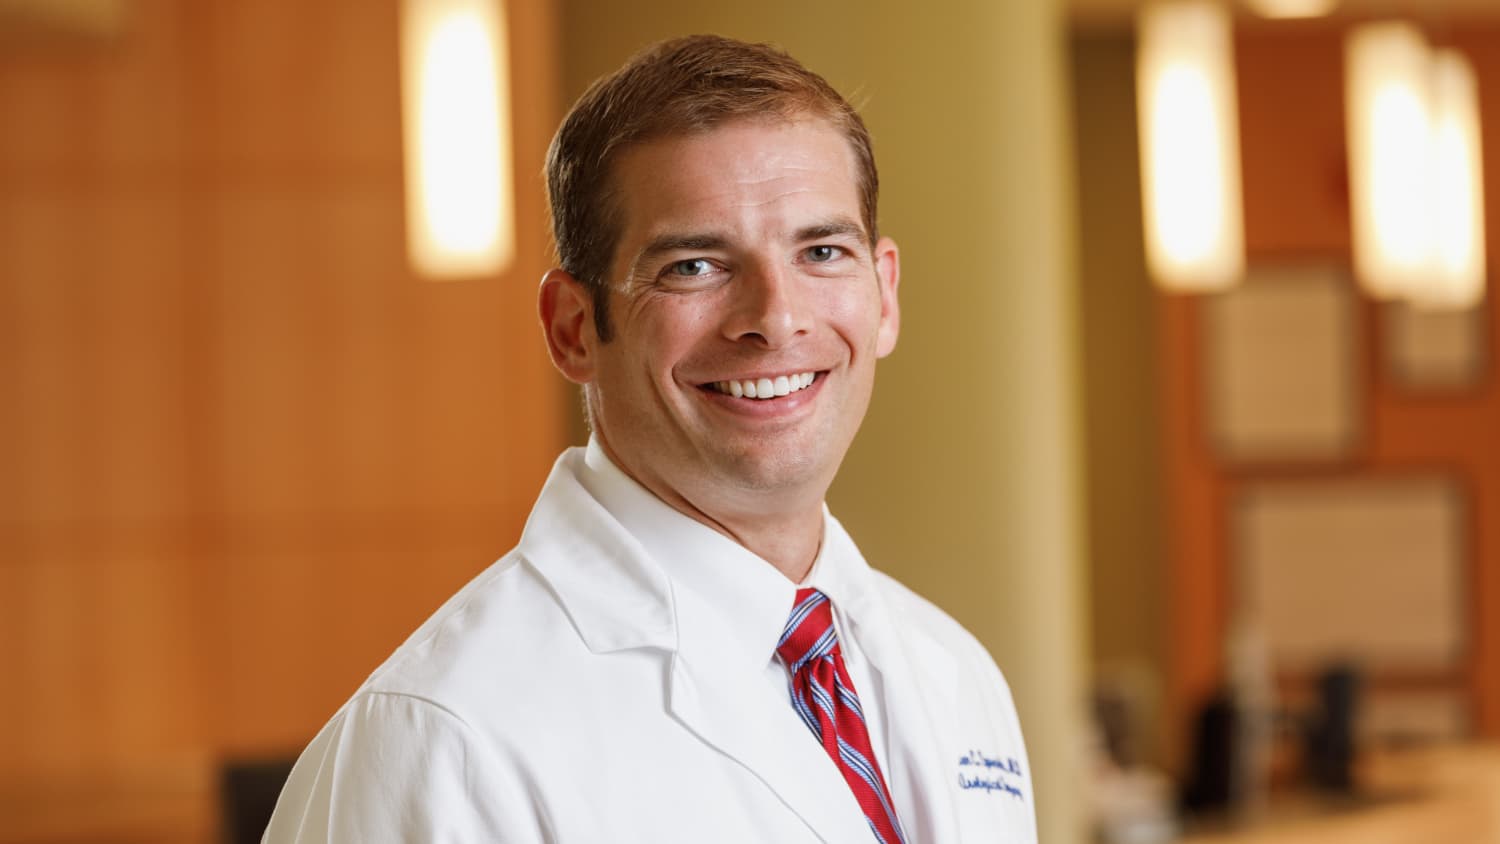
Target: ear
(888,276)
(567,313)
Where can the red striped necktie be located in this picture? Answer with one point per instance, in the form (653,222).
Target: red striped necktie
(824,696)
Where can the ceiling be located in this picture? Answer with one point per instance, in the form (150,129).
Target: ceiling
(104,17)
(1120,12)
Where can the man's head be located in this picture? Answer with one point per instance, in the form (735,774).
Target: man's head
(680,87)
(747,294)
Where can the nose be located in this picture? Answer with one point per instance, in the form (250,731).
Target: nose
(770,306)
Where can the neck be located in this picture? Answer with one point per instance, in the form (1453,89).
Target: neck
(789,541)
(782,527)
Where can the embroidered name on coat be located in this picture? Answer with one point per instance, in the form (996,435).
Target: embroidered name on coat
(978,771)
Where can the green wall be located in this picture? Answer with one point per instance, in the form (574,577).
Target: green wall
(1126,512)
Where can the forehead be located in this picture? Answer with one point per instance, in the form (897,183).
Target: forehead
(734,174)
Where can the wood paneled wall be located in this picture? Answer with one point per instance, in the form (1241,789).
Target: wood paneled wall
(243,451)
(1296,205)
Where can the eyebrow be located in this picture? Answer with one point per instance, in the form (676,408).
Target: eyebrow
(698,241)
(837,227)
(679,243)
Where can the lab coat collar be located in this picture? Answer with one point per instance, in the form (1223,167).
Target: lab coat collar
(730,604)
(616,598)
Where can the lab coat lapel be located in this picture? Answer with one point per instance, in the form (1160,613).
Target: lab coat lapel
(729,713)
(919,688)
(919,682)
(615,598)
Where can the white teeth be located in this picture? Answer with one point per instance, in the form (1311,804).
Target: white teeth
(767,388)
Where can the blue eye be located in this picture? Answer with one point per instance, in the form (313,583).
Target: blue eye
(823,254)
(691,267)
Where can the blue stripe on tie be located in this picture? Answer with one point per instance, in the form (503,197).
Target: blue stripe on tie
(799,613)
(847,697)
(818,650)
(878,837)
(859,765)
(805,712)
(825,644)
(821,698)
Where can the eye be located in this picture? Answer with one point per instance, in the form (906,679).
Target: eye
(823,253)
(690,267)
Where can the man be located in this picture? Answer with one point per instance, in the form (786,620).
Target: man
(686,646)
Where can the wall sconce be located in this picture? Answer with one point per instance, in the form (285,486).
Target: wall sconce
(1286,9)
(1189,136)
(1457,279)
(1386,77)
(455,87)
(1415,169)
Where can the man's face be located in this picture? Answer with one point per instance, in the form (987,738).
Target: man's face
(742,266)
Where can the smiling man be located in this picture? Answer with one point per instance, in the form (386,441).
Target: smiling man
(685,645)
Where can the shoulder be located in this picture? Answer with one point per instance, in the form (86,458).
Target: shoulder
(916,617)
(397,767)
(912,611)
(497,628)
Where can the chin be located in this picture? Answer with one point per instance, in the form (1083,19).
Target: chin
(784,471)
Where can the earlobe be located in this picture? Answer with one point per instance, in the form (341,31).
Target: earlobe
(888,276)
(567,314)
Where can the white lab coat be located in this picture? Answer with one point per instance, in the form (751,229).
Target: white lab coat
(553,700)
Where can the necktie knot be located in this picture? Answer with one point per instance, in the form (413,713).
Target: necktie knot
(809,633)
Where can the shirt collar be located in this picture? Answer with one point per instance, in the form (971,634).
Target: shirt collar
(840,571)
(731,604)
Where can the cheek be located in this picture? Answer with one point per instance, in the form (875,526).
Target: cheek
(676,328)
(854,315)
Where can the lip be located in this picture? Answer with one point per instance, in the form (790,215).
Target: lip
(780,407)
(769,373)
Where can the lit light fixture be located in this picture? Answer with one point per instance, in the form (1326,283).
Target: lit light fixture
(1189,136)
(455,90)
(1387,72)
(1457,279)
(1415,170)
(1291,8)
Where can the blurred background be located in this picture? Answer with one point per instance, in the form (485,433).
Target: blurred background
(1236,547)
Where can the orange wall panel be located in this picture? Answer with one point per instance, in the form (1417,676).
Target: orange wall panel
(244,450)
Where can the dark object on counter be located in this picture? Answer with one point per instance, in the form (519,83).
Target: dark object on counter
(1330,732)
(1210,785)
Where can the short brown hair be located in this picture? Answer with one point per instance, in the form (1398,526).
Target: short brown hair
(683,86)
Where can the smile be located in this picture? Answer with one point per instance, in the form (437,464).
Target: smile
(765,388)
